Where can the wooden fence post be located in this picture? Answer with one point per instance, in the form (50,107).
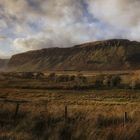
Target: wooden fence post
(125,118)
(16,111)
(1,106)
(66,113)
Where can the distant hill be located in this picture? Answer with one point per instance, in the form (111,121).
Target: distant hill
(3,64)
(115,54)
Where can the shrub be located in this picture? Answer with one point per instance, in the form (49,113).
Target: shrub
(133,84)
(107,81)
(72,78)
(63,78)
(115,81)
(39,75)
(52,77)
(99,80)
(28,75)
(81,78)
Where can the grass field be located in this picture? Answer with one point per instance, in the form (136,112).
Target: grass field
(58,114)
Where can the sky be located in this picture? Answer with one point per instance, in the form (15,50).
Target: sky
(35,24)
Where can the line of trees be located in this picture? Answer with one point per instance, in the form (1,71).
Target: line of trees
(79,80)
(66,78)
(111,81)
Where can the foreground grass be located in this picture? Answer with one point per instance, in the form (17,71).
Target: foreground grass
(91,115)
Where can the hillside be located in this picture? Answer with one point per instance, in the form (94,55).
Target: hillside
(115,54)
(3,64)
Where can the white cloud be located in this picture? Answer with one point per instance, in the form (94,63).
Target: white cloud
(35,24)
(123,14)
(56,37)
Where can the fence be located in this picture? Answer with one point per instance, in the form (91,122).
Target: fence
(19,103)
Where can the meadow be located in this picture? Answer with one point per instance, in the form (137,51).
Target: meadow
(62,107)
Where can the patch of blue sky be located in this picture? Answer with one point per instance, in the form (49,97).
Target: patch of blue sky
(36,25)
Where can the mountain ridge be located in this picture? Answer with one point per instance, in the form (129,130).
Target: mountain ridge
(114,54)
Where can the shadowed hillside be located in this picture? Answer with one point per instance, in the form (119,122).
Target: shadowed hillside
(115,54)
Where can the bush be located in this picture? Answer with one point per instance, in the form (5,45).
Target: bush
(39,75)
(115,81)
(82,78)
(72,78)
(133,84)
(63,78)
(52,77)
(107,81)
(28,75)
(98,83)
(99,80)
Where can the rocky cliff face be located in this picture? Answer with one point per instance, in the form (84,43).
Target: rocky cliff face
(115,54)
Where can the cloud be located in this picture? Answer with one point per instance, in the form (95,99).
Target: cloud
(65,36)
(125,12)
(45,23)
(37,24)
(22,11)
(122,14)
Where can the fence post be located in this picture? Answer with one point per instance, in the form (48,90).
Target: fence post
(66,113)
(16,111)
(1,106)
(46,107)
(125,118)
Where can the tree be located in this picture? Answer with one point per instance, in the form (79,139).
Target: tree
(133,84)
(81,78)
(63,78)
(99,80)
(72,78)
(115,81)
(39,75)
(28,75)
(106,81)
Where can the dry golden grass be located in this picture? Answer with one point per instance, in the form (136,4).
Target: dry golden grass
(92,115)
